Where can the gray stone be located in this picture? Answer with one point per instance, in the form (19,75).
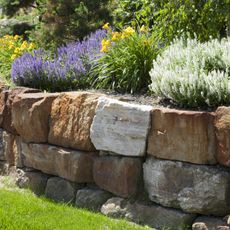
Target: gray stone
(91,199)
(61,190)
(120,127)
(192,188)
(73,165)
(35,181)
(152,215)
(210,223)
(4,168)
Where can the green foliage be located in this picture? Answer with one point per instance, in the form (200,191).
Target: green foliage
(126,65)
(170,19)
(193,74)
(62,21)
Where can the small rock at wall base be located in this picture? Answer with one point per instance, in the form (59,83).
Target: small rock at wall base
(61,190)
(152,215)
(210,223)
(91,199)
(35,181)
(4,168)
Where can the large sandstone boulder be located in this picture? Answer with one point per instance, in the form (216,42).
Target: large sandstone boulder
(120,127)
(182,135)
(210,223)
(222,124)
(118,175)
(152,215)
(192,188)
(91,199)
(30,115)
(61,190)
(12,149)
(6,101)
(76,166)
(71,118)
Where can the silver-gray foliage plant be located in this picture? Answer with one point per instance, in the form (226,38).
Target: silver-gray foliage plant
(193,74)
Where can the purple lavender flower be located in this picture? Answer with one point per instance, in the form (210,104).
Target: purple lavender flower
(67,70)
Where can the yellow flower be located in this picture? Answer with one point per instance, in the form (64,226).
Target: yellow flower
(23,46)
(106,26)
(32,46)
(115,36)
(17,51)
(105,45)
(127,32)
(13,57)
(16,37)
(143,29)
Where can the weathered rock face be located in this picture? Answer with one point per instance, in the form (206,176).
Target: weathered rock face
(71,118)
(30,116)
(2,155)
(193,188)
(12,149)
(222,124)
(182,135)
(6,100)
(91,199)
(118,175)
(76,166)
(152,215)
(210,223)
(120,127)
(61,190)
(35,181)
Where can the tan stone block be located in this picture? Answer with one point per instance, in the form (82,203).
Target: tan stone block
(118,175)
(71,117)
(30,115)
(182,135)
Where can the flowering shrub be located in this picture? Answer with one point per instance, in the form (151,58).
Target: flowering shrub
(127,60)
(193,74)
(12,47)
(67,70)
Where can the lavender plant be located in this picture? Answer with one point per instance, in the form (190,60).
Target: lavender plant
(68,69)
(193,74)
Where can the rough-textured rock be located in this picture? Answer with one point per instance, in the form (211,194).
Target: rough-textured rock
(182,135)
(12,149)
(152,215)
(192,188)
(91,199)
(6,100)
(118,175)
(35,181)
(222,125)
(61,190)
(76,166)
(71,118)
(4,168)
(2,155)
(30,116)
(120,127)
(210,223)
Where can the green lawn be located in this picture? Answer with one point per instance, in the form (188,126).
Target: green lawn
(23,210)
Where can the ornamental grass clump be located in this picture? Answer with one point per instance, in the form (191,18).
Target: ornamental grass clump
(66,70)
(193,74)
(126,60)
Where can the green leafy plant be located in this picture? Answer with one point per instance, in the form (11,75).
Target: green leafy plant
(126,62)
(193,74)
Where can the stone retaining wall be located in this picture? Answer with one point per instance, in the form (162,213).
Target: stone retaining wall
(156,166)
